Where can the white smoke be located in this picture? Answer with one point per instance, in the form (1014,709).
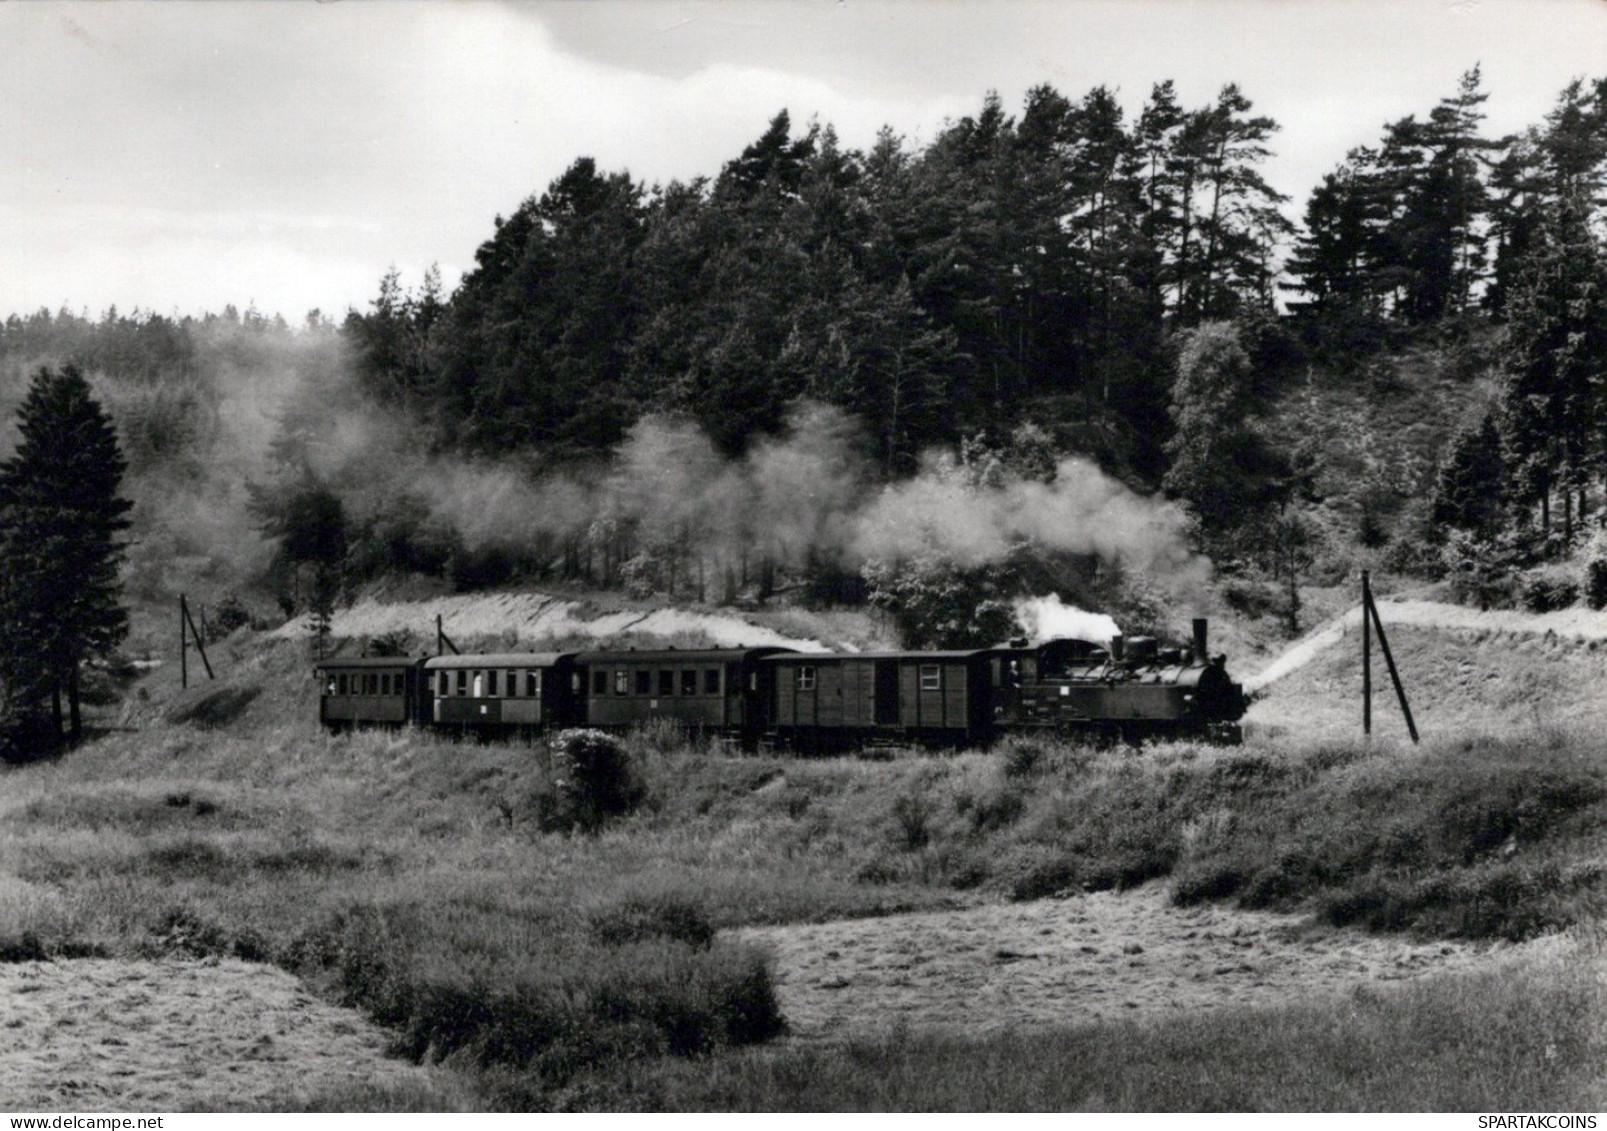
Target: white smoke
(1081,511)
(1046,618)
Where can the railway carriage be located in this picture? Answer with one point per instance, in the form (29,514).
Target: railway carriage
(371,691)
(824,701)
(704,689)
(504,691)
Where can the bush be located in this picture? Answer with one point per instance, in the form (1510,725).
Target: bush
(1021,755)
(594,780)
(1250,597)
(26,733)
(1596,583)
(640,918)
(1548,589)
(913,815)
(580,1004)
(229,615)
(997,810)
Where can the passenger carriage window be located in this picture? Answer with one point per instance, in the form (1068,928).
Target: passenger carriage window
(644,683)
(931,677)
(342,684)
(688,682)
(370,684)
(491,684)
(532,684)
(463,681)
(599,683)
(384,683)
(711,681)
(666,682)
(806,678)
(622,682)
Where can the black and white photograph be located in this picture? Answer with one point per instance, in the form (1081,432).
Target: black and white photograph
(662,556)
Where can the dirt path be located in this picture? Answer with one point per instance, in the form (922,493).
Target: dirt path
(108,1035)
(1067,961)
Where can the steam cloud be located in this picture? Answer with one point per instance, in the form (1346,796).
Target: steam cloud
(1045,618)
(810,492)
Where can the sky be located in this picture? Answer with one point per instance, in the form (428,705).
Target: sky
(177,156)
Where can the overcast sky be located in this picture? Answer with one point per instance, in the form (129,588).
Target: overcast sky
(179,156)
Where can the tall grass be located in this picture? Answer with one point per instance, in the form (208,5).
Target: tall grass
(1522,1037)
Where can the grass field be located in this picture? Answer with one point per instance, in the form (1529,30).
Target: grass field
(413,878)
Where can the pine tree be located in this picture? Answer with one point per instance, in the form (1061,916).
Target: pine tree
(1470,492)
(1556,338)
(60,517)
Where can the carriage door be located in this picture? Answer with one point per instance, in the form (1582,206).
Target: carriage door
(886,692)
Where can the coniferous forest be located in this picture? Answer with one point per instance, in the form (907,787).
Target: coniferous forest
(1409,377)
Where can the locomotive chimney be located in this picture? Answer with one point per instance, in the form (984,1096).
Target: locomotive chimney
(1116,648)
(1199,640)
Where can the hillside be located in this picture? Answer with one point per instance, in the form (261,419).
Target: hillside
(1373,434)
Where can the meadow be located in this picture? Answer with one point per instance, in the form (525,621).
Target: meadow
(427,883)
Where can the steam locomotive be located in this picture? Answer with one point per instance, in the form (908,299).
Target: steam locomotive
(1131,690)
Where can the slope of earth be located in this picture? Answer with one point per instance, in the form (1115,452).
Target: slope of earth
(1463,670)
(1374,438)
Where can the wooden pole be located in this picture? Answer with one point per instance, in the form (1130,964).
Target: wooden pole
(184,645)
(200,648)
(1389,659)
(442,640)
(1366,657)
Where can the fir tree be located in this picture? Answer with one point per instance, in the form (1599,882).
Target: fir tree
(60,517)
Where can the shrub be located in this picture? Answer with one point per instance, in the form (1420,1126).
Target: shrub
(1596,583)
(594,780)
(1249,597)
(1547,589)
(913,815)
(643,917)
(1021,756)
(229,615)
(578,1004)
(997,810)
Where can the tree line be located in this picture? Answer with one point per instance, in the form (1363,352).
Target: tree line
(1015,260)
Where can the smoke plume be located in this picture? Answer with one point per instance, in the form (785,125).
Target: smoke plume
(277,409)
(1045,618)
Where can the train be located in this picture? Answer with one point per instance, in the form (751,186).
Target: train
(1129,690)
